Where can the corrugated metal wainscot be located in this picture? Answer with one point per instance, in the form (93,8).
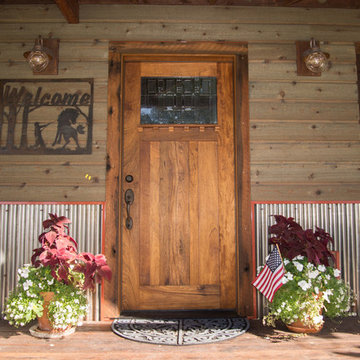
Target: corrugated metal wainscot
(20,226)
(340,220)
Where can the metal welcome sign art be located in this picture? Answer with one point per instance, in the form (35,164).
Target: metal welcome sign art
(51,116)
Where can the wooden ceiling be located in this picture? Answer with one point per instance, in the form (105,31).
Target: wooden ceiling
(70,8)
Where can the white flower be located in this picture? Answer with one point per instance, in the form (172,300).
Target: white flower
(326,295)
(313,274)
(24,272)
(299,257)
(298,266)
(304,285)
(322,268)
(50,282)
(286,261)
(337,272)
(287,277)
(318,319)
(27,284)
(316,290)
(290,276)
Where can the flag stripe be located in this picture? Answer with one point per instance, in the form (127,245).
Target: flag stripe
(270,278)
(278,273)
(262,277)
(276,284)
(276,288)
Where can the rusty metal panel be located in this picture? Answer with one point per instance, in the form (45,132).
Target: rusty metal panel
(20,226)
(340,220)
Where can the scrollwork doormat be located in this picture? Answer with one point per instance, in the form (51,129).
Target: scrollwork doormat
(180,331)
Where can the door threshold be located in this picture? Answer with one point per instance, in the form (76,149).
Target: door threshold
(179,314)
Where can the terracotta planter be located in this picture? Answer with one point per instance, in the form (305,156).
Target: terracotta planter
(299,327)
(44,323)
(44,328)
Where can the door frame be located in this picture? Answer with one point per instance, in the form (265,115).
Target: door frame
(110,304)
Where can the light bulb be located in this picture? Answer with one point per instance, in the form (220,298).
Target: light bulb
(38,57)
(315,59)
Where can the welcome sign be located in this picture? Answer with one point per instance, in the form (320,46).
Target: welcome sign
(46,116)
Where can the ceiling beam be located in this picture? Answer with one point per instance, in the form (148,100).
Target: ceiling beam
(70,10)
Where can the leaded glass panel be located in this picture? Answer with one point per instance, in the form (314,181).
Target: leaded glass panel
(185,100)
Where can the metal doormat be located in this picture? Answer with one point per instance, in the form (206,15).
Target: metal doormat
(179,331)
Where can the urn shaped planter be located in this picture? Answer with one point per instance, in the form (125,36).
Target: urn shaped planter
(299,327)
(44,328)
(44,322)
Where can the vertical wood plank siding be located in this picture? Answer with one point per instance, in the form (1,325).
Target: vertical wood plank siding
(20,226)
(340,220)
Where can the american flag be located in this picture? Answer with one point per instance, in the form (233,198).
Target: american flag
(270,278)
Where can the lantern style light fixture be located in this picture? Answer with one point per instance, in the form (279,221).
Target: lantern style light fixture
(315,59)
(310,59)
(38,57)
(43,57)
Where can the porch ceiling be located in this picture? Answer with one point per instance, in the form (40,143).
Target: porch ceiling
(70,8)
(343,4)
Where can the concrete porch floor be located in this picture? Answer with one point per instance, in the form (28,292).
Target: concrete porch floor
(95,340)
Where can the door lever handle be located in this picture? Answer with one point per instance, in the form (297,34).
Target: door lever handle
(129,199)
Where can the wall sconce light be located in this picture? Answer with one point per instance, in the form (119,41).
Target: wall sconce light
(315,59)
(310,59)
(43,58)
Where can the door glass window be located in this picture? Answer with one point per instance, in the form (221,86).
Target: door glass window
(178,100)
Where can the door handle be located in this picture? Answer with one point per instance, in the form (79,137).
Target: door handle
(129,199)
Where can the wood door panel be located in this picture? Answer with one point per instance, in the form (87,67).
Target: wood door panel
(182,246)
(180,253)
(208,215)
(174,236)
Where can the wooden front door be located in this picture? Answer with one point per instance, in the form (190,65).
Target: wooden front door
(178,229)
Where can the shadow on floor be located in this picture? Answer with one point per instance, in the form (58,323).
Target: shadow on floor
(350,325)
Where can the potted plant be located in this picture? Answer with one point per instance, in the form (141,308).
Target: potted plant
(311,287)
(54,286)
